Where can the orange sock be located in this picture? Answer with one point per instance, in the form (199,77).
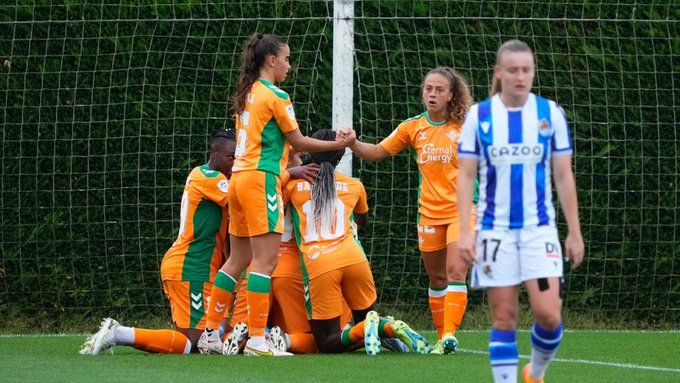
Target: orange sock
(456,302)
(385,329)
(353,335)
(220,299)
(257,296)
(161,341)
(302,343)
(240,310)
(437,304)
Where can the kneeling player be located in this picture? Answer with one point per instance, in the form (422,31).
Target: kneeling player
(334,266)
(189,266)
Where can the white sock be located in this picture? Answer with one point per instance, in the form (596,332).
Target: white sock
(545,344)
(125,336)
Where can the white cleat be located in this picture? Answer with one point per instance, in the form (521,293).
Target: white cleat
(210,343)
(232,345)
(265,349)
(103,339)
(278,338)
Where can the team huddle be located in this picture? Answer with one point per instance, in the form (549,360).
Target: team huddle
(268,260)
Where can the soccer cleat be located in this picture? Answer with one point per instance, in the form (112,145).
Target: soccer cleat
(265,349)
(210,343)
(415,342)
(448,344)
(526,377)
(232,345)
(371,336)
(394,345)
(278,338)
(103,339)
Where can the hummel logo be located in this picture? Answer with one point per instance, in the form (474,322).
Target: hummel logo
(485,126)
(271,197)
(422,136)
(196,305)
(219,307)
(196,297)
(272,206)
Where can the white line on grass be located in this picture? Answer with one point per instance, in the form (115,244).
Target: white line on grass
(584,361)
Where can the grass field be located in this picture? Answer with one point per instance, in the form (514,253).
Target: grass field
(585,356)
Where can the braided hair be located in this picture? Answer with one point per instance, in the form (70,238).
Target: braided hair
(323,190)
(220,137)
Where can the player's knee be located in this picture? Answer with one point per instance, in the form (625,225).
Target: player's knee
(456,274)
(504,318)
(437,278)
(548,320)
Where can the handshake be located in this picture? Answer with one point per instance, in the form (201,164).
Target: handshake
(347,136)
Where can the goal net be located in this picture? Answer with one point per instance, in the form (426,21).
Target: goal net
(106,108)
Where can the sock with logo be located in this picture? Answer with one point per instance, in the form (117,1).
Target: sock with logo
(437,303)
(545,344)
(504,355)
(220,299)
(257,296)
(455,304)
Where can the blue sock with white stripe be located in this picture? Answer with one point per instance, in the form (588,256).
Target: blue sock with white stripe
(545,344)
(503,355)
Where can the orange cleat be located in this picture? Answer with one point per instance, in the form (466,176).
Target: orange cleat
(526,377)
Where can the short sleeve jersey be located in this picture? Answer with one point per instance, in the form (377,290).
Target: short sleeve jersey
(514,147)
(260,128)
(323,247)
(436,146)
(197,253)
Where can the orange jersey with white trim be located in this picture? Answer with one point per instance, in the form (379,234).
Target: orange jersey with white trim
(436,153)
(197,253)
(260,128)
(331,247)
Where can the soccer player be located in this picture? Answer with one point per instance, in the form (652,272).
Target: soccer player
(334,266)
(266,125)
(434,135)
(190,265)
(515,136)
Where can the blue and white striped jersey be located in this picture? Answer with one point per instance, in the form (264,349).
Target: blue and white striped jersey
(514,147)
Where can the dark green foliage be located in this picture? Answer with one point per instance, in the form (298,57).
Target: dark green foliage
(105,109)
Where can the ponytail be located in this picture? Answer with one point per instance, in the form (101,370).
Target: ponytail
(323,190)
(508,46)
(257,49)
(461,100)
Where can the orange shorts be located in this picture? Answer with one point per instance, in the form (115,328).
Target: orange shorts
(352,283)
(188,302)
(437,237)
(287,306)
(255,204)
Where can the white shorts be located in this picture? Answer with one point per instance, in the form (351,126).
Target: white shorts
(510,257)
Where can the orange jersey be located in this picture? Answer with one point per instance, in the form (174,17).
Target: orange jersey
(288,265)
(260,143)
(327,248)
(436,153)
(197,253)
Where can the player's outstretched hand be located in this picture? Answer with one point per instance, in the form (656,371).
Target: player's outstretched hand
(574,249)
(348,136)
(466,248)
(307,172)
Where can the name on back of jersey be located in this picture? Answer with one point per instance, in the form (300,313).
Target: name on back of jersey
(515,154)
(339,186)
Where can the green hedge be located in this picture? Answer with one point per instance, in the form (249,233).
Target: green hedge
(107,108)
